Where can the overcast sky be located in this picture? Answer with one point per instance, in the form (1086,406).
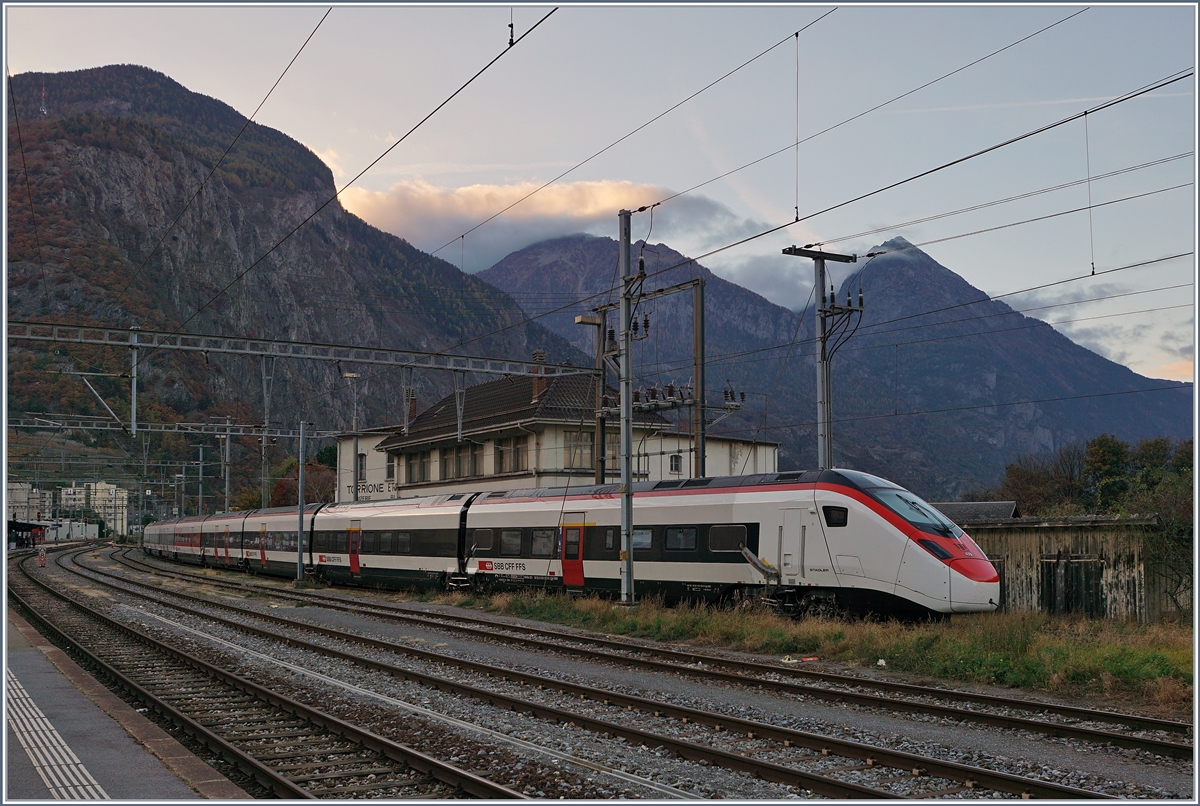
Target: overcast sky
(587,76)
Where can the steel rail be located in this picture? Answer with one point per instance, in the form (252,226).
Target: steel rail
(763,769)
(907,762)
(1159,746)
(243,761)
(441,771)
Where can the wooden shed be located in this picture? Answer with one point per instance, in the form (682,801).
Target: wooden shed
(1092,566)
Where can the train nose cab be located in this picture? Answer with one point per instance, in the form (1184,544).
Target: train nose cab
(974,583)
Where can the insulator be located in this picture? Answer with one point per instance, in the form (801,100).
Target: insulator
(670,390)
(847,297)
(634,327)
(646,322)
(612,334)
(637,395)
(641,265)
(860,304)
(743,397)
(726,396)
(654,393)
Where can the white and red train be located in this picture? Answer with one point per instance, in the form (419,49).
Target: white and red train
(833,539)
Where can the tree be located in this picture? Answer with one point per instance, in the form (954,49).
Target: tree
(1047,483)
(319,486)
(328,456)
(1105,471)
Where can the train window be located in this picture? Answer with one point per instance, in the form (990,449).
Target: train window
(835,516)
(320,540)
(571,550)
(341,541)
(681,538)
(510,542)
(642,538)
(543,543)
(370,542)
(385,542)
(935,549)
(483,539)
(727,538)
(403,542)
(610,536)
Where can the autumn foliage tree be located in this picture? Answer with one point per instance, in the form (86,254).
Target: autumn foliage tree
(320,483)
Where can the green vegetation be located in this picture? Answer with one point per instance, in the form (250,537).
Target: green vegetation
(1150,665)
(1106,476)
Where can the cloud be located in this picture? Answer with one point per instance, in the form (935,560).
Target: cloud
(781,279)
(1176,371)
(330,158)
(431,217)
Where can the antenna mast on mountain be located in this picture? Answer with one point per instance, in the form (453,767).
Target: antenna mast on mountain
(43,97)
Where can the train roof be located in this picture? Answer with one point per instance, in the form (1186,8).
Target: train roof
(849,478)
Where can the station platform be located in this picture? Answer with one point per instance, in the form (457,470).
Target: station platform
(70,738)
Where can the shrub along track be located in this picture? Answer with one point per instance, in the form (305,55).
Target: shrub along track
(1157,736)
(748,745)
(295,751)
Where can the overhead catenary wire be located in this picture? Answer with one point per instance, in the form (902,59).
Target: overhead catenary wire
(37,240)
(1063,399)
(623,137)
(759,350)
(344,187)
(875,108)
(204,183)
(1171,79)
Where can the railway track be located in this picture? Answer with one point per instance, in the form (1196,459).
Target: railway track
(1145,734)
(295,751)
(809,760)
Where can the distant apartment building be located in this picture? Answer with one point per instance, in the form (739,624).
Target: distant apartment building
(525,432)
(106,501)
(27,503)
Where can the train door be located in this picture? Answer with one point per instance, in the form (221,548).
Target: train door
(262,545)
(355,544)
(225,541)
(572,532)
(804,555)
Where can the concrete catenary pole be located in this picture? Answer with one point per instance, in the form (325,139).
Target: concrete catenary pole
(626,365)
(300,511)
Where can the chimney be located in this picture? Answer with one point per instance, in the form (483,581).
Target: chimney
(412,406)
(539,381)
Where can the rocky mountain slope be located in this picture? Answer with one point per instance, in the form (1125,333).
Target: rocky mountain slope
(114,227)
(920,398)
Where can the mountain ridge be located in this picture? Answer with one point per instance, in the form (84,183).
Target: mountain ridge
(967,358)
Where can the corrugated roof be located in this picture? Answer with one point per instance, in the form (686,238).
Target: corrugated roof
(968,511)
(493,405)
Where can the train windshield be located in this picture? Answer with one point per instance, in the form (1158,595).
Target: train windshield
(917,512)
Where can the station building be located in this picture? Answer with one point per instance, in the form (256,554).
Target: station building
(525,432)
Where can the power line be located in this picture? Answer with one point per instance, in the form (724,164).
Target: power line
(217,164)
(618,141)
(28,190)
(798,143)
(801,424)
(745,353)
(356,177)
(1040,130)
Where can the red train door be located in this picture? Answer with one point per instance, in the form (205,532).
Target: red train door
(262,545)
(225,542)
(355,543)
(571,541)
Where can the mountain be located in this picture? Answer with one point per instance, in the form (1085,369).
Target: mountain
(922,398)
(109,225)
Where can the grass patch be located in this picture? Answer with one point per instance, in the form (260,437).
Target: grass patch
(1150,664)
